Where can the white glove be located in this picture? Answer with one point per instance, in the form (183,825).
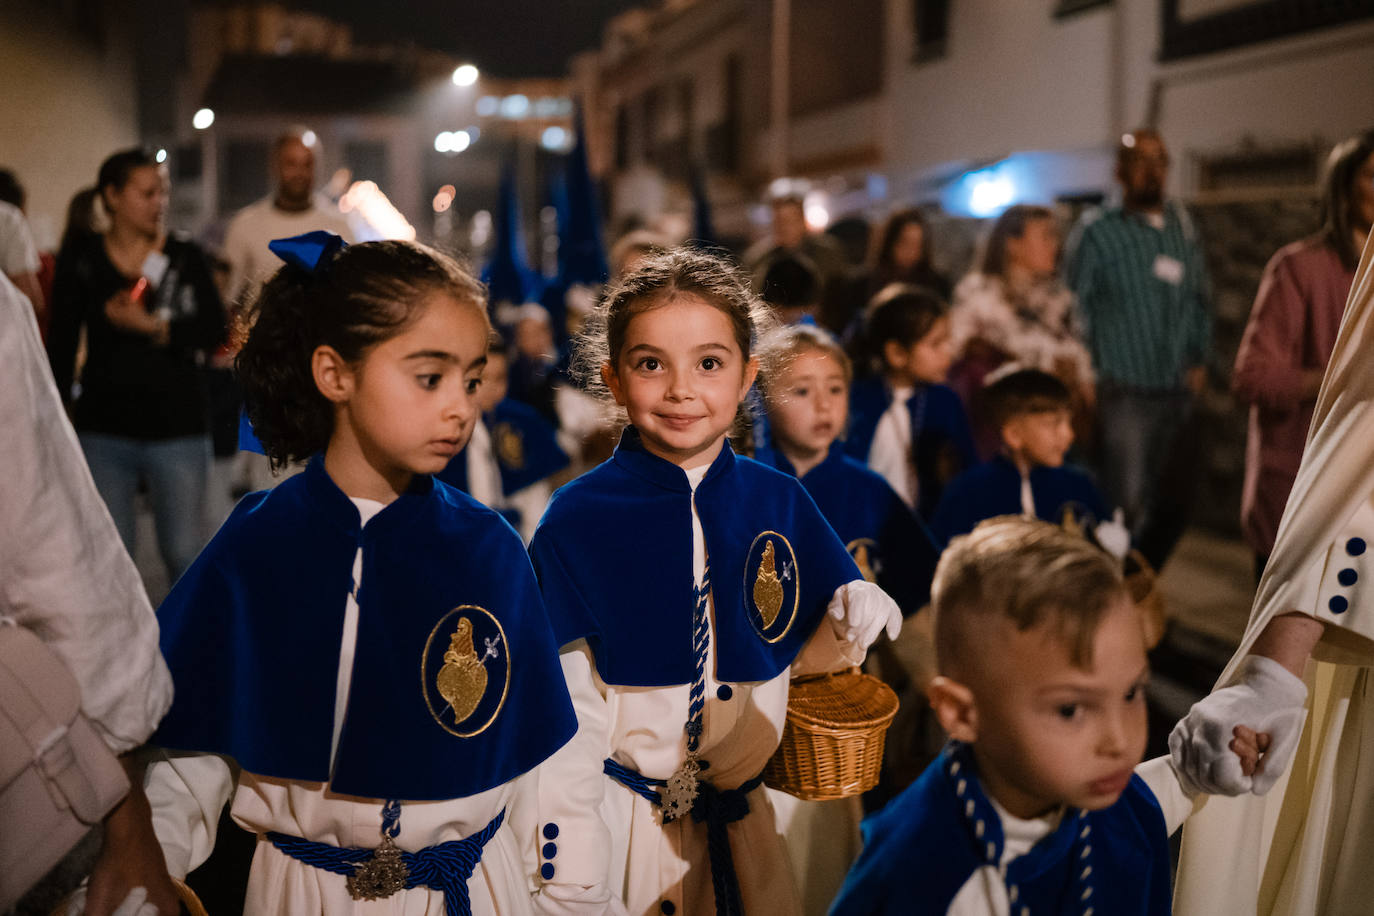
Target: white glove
(860,610)
(1264,696)
(135,904)
(1113,536)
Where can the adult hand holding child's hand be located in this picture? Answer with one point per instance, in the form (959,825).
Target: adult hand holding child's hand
(1215,747)
(860,611)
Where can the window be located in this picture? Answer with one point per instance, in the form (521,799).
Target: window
(1191,27)
(931,20)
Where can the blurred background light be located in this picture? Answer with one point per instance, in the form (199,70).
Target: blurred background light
(203,119)
(465,75)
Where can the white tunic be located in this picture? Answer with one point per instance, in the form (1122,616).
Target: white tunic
(1306,846)
(607,833)
(187,794)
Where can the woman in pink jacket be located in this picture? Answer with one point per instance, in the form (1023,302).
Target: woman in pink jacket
(1290,334)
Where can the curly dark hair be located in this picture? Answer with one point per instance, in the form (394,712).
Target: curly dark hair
(368,293)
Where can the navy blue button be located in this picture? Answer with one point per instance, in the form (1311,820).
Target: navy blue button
(550,850)
(1347,577)
(1354,546)
(1338,605)
(547,871)
(550,831)
(724,692)
(667,908)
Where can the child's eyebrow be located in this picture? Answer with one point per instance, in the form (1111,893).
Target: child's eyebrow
(1090,689)
(442,355)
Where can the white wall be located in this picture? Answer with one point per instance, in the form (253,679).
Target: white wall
(1015,79)
(68,105)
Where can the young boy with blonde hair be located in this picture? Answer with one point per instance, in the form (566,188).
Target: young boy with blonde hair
(1036,806)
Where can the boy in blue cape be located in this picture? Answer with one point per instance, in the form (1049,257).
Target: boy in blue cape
(1037,804)
(1032,412)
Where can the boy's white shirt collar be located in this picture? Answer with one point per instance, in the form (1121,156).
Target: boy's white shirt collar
(1019,835)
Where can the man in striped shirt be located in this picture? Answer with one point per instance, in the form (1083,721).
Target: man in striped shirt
(1142,290)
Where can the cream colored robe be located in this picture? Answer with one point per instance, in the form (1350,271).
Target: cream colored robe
(1307,847)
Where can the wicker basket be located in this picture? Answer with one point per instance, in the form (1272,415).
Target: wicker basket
(188,898)
(832,743)
(1143,584)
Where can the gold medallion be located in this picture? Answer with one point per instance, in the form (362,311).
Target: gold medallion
(680,793)
(380,876)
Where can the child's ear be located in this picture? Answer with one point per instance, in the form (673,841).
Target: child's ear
(894,355)
(334,377)
(1011,436)
(751,372)
(612,381)
(955,708)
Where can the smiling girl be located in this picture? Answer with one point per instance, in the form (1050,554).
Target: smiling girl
(686,585)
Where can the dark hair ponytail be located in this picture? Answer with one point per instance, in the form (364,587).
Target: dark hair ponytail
(364,296)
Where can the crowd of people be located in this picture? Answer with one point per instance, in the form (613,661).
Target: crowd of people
(610,539)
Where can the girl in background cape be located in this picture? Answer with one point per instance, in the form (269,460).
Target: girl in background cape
(805,378)
(686,586)
(295,638)
(1299,839)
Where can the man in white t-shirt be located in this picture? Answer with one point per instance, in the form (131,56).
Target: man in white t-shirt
(290,210)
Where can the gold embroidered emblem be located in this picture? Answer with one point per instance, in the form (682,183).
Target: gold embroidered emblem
(463,680)
(768,592)
(510,446)
(771,586)
(859,551)
(380,876)
(1070,523)
(460,685)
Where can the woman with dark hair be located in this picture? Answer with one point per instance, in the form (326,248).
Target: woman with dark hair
(151,312)
(1290,335)
(1013,307)
(901,254)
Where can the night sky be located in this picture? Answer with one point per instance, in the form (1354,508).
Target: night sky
(502,37)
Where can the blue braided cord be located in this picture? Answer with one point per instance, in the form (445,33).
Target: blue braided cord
(720,808)
(701,638)
(391,818)
(717,808)
(640,785)
(443,867)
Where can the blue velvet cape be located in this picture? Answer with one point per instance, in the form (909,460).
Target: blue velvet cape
(994,488)
(924,846)
(874,524)
(942,443)
(252,633)
(524,443)
(614,558)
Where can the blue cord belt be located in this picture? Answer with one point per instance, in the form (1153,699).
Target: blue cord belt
(717,808)
(443,867)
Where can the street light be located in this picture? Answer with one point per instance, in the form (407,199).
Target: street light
(465,75)
(203,119)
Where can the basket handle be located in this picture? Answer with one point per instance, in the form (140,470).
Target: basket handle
(825,675)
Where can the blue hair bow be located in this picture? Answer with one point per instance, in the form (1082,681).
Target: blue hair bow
(310,252)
